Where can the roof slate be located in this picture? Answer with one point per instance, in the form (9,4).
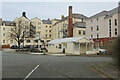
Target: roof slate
(112,12)
(65,40)
(99,14)
(77,16)
(80,25)
(8,23)
(106,13)
(47,21)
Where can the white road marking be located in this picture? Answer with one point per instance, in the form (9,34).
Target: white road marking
(37,53)
(31,72)
(104,76)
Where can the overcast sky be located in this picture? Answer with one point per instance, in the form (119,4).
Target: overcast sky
(45,10)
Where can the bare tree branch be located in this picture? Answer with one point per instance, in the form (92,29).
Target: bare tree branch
(21,32)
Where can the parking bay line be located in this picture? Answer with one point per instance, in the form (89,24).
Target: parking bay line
(31,72)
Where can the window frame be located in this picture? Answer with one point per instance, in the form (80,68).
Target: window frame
(4,41)
(91,28)
(84,32)
(115,22)
(28,41)
(4,34)
(79,32)
(97,28)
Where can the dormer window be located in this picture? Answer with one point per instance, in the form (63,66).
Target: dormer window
(3,23)
(11,24)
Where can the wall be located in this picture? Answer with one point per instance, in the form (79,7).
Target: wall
(82,48)
(113,26)
(53,48)
(39,27)
(89,46)
(76,32)
(103,29)
(60,26)
(69,48)
(7,35)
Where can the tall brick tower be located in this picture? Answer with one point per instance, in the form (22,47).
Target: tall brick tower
(70,22)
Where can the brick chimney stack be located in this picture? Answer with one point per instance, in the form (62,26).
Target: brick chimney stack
(70,22)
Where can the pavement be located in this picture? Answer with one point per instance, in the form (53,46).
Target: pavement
(47,66)
(108,70)
(8,50)
(57,54)
(0,64)
(37,53)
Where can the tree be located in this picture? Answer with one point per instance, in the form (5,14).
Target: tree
(116,53)
(20,32)
(114,49)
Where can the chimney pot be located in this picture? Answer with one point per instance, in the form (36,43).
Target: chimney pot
(70,6)
(62,17)
(24,14)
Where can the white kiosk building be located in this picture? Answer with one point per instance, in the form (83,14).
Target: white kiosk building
(73,45)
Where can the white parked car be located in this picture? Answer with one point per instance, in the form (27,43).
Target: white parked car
(100,50)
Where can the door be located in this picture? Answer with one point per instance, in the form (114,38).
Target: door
(83,48)
(76,48)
